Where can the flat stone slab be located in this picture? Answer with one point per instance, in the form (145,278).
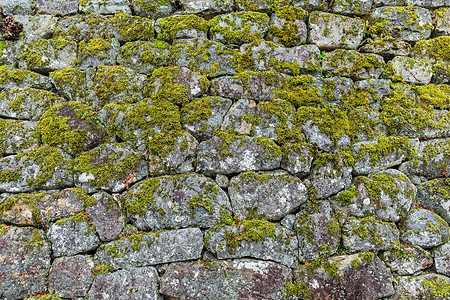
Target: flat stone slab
(23,249)
(97,52)
(17,135)
(428,286)
(230,279)
(176,202)
(104,7)
(152,248)
(272,195)
(353,7)
(258,239)
(407,260)
(207,7)
(330,178)
(409,70)
(152,8)
(12,78)
(138,283)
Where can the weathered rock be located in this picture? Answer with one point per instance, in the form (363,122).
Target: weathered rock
(330,177)
(297,158)
(222,181)
(106,216)
(207,7)
(73,235)
(203,117)
(152,8)
(369,234)
(126,27)
(428,286)
(71,277)
(397,22)
(239,28)
(231,279)
(288,221)
(104,7)
(335,89)
(26,103)
(434,195)
(97,52)
(254,238)
(288,26)
(389,47)
(330,31)
(72,83)
(176,202)
(37,27)
(152,248)
(407,260)
(181,27)
(388,195)
(431,160)
(9,52)
(143,57)
(428,3)
(357,276)
(350,63)
(42,168)
(441,21)
(17,135)
(17,7)
(353,7)
(139,283)
(268,56)
(110,167)
(57,7)
(441,256)
(71,126)
(272,195)
(24,262)
(424,228)
(406,69)
(13,78)
(227,154)
(258,5)
(317,230)
(235,118)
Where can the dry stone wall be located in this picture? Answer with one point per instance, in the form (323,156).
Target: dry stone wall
(225,149)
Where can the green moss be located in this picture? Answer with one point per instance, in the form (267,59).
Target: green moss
(98,47)
(198,111)
(149,53)
(102,269)
(200,201)
(346,197)
(170,26)
(34,241)
(367,257)
(437,48)
(131,28)
(437,287)
(4,229)
(137,203)
(355,263)
(434,96)
(73,81)
(383,147)
(351,63)
(37,54)
(367,230)
(17,76)
(297,288)
(332,269)
(87,199)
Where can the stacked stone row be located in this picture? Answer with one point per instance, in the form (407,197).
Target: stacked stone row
(225,149)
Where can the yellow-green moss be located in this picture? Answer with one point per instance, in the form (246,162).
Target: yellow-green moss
(36,54)
(98,47)
(289,33)
(251,230)
(437,287)
(171,25)
(137,203)
(297,288)
(131,28)
(36,240)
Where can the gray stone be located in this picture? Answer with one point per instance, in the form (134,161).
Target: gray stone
(297,158)
(397,22)
(227,154)
(407,260)
(424,228)
(318,231)
(270,242)
(24,262)
(143,57)
(202,117)
(330,31)
(207,7)
(73,83)
(369,234)
(97,52)
(406,69)
(152,248)
(357,276)
(81,27)
(336,88)
(186,200)
(268,56)
(9,52)
(323,137)
(222,181)
(17,7)
(288,26)
(17,135)
(238,28)
(104,7)
(388,195)
(272,119)
(110,167)
(428,286)
(73,235)
(309,4)
(288,221)
(330,178)
(34,170)
(390,2)
(123,26)
(12,78)
(57,7)
(353,7)
(71,277)
(388,48)
(272,195)
(230,279)
(181,27)
(37,27)
(152,8)
(350,63)
(235,117)
(257,5)
(441,256)
(26,103)
(106,216)
(441,21)
(428,3)
(139,283)
(434,195)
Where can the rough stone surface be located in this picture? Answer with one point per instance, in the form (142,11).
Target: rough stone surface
(434,195)
(230,279)
(12,78)
(57,7)
(441,22)
(428,286)
(24,262)
(441,257)
(353,7)
(235,117)
(139,283)
(20,135)
(207,7)
(409,70)
(71,277)
(152,248)
(176,202)
(104,7)
(297,159)
(142,56)
(152,8)
(330,178)
(288,27)
(272,195)
(407,260)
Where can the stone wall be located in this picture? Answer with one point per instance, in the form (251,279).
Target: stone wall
(225,149)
